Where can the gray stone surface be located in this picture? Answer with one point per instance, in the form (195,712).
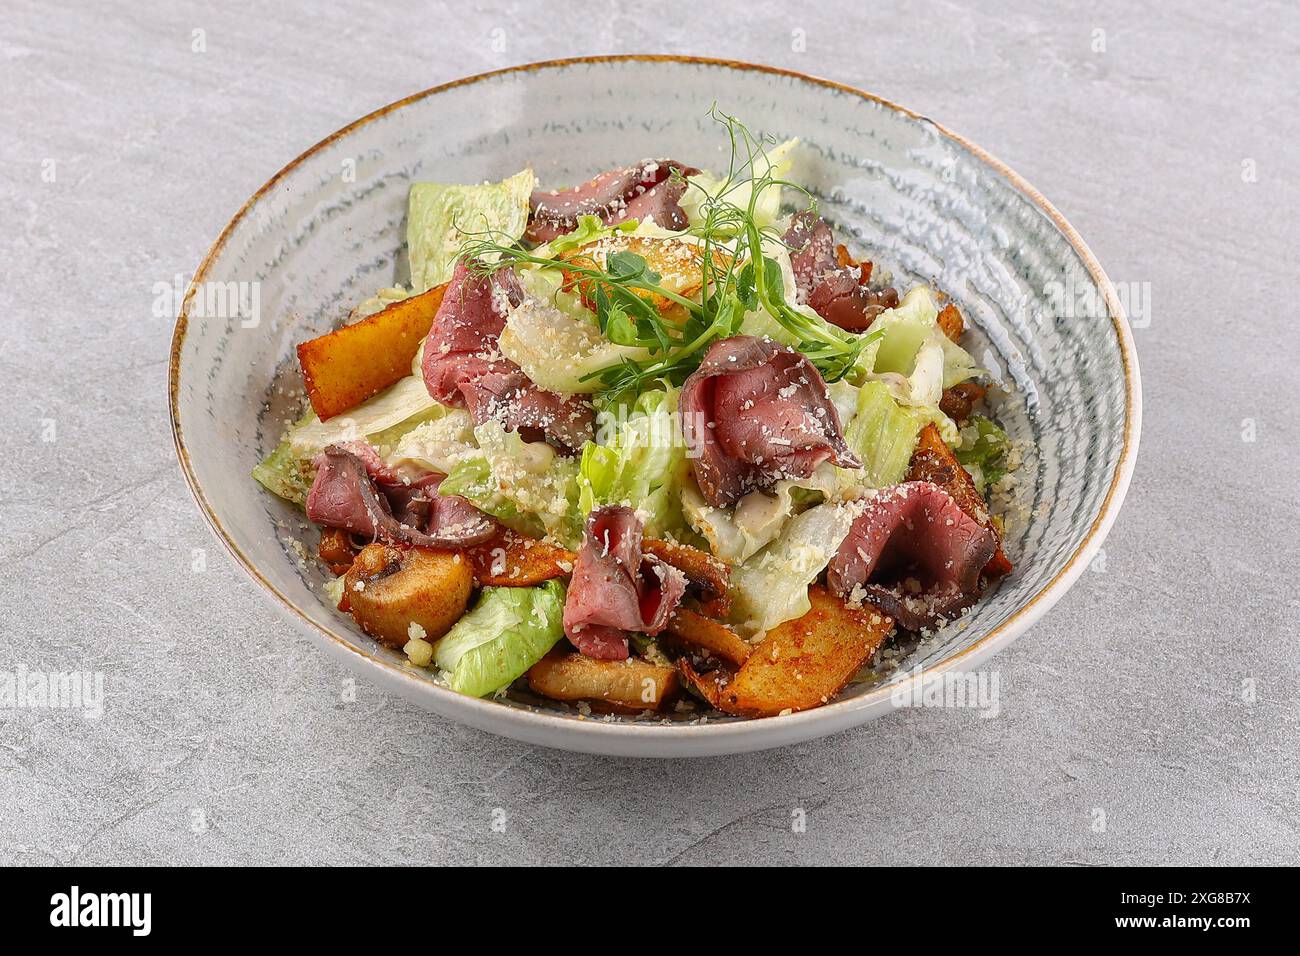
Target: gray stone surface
(1162,691)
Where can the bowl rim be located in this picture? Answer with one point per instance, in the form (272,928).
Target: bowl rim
(695,737)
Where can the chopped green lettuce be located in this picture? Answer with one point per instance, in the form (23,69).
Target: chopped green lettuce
(882,433)
(439,444)
(528,485)
(285,474)
(441,217)
(507,631)
(913,355)
(472,478)
(772,586)
(589,229)
(734,534)
(381,418)
(983,451)
(554,337)
(642,464)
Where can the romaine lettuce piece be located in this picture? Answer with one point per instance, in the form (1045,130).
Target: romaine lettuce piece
(283,473)
(472,478)
(440,218)
(882,433)
(913,355)
(983,451)
(528,485)
(554,338)
(382,418)
(772,586)
(642,464)
(735,534)
(507,631)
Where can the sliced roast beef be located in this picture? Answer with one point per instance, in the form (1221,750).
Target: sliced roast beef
(463,365)
(344,495)
(646,191)
(617,589)
(833,291)
(914,553)
(755,412)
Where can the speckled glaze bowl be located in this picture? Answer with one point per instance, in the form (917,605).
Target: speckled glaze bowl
(328,230)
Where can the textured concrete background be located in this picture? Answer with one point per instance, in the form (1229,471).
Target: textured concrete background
(1159,697)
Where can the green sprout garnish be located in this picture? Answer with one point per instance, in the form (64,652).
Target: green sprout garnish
(737,278)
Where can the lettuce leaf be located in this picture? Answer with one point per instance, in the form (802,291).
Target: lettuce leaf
(915,359)
(439,444)
(772,586)
(642,465)
(983,452)
(528,485)
(882,433)
(441,217)
(507,631)
(379,419)
(554,338)
(285,474)
(735,534)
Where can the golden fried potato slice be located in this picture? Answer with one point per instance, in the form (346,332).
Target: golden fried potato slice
(515,560)
(345,367)
(707,574)
(934,461)
(632,684)
(705,634)
(800,664)
(388,589)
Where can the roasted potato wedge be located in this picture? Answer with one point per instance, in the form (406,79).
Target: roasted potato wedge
(701,633)
(632,684)
(951,322)
(345,367)
(800,664)
(516,560)
(709,576)
(389,588)
(934,461)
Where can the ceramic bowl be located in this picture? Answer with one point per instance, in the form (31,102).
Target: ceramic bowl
(327,231)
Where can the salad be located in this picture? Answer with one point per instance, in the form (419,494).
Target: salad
(653,443)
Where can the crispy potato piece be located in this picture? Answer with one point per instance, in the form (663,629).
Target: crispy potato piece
(709,685)
(951,322)
(703,633)
(388,589)
(336,550)
(515,560)
(678,264)
(800,664)
(632,684)
(709,576)
(345,367)
(934,461)
(958,402)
